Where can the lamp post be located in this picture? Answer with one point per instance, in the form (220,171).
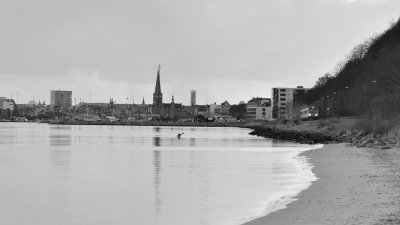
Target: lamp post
(329,104)
(323,109)
(365,100)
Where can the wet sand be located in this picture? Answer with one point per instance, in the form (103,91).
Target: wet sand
(355,186)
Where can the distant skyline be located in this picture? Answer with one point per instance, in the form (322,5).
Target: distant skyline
(225,50)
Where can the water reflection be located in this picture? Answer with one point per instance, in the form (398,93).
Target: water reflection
(110,139)
(156,141)
(192,142)
(204,178)
(276,143)
(60,140)
(157,171)
(60,161)
(60,127)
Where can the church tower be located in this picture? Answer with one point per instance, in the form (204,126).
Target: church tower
(157,96)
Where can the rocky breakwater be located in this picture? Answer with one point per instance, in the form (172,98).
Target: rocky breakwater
(360,139)
(304,137)
(313,133)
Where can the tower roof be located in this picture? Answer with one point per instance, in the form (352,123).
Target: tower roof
(158,85)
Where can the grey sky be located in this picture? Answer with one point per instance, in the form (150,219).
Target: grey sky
(224,49)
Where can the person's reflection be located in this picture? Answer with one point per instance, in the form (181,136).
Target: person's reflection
(156,141)
(157,129)
(111,140)
(192,142)
(157,180)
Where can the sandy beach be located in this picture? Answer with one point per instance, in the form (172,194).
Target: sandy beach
(355,186)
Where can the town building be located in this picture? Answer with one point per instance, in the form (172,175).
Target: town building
(7,104)
(202,110)
(192,98)
(215,109)
(259,109)
(7,107)
(61,99)
(172,109)
(286,102)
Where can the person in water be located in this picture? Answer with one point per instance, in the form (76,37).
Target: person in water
(179,135)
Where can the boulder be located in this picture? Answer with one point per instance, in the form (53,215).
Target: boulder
(369,145)
(365,142)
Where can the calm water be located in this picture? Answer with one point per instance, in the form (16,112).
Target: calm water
(84,175)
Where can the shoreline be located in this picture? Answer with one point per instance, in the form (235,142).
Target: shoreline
(160,124)
(354,186)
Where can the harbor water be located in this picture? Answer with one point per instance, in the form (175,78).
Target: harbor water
(101,175)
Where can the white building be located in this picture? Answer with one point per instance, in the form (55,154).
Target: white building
(285,102)
(259,109)
(215,109)
(7,104)
(7,107)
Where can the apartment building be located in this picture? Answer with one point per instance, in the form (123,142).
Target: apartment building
(62,99)
(286,101)
(259,109)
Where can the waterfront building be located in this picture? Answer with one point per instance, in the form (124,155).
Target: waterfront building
(286,102)
(192,98)
(7,107)
(173,110)
(202,110)
(170,108)
(215,109)
(158,96)
(62,99)
(259,109)
(7,104)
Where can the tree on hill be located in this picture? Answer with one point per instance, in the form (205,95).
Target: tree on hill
(366,82)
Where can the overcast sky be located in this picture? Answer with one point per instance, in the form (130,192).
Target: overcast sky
(225,49)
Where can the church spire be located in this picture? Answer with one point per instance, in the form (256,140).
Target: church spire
(157,96)
(143,103)
(158,85)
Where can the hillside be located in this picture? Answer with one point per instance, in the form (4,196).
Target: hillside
(368,82)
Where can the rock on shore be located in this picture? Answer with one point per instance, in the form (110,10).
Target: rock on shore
(306,137)
(354,138)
